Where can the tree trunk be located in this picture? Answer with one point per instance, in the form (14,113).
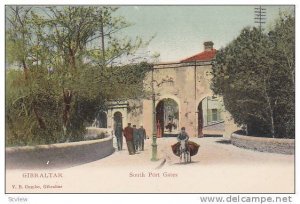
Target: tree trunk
(67,94)
(270,110)
(67,107)
(38,117)
(25,68)
(272,124)
(72,58)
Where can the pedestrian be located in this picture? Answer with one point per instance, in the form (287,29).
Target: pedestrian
(183,138)
(158,129)
(142,135)
(135,138)
(170,126)
(118,134)
(128,134)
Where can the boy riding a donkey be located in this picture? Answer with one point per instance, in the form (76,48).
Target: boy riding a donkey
(183,138)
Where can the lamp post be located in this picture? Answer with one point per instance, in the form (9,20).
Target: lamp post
(154,129)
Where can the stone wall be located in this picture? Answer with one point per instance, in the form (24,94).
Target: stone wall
(94,132)
(135,112)
(191,84)
(262,144)
(60,155)
(229,125)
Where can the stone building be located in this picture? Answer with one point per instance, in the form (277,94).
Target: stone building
(183,98)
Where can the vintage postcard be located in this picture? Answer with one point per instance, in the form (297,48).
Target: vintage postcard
(150,99)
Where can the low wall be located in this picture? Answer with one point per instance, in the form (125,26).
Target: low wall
(93,132)
(60,155)
(262,144)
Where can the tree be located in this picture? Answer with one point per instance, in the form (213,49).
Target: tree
(21,47)
(106,45)
(65,88)
(77,27)
(282,38)
(255,74)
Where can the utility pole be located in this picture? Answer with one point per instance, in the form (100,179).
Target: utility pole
(260,16)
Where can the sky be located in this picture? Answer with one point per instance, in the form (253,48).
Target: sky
(181,30)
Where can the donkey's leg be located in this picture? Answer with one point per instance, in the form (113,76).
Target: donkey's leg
(180,157)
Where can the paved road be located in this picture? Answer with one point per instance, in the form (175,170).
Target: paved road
(218,167)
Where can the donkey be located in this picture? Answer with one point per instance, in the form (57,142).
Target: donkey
(184,152)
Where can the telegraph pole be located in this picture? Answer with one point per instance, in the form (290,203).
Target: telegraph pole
(260,16)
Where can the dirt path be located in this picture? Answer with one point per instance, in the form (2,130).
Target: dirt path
(218,167)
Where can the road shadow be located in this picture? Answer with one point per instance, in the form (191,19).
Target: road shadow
(223,141)
(207,136)
(192,162)
(161,164)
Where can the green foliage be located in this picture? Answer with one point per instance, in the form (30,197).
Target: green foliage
(124,82)
(25,99)
(255,76)
(51,47)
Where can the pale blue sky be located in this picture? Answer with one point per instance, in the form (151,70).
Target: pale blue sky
(181,30)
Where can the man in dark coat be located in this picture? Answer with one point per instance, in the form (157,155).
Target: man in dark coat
(142,135)
(118,134)
(136,138)
(128,134)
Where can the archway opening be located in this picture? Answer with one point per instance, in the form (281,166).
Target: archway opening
(210,117)
(167,117)
(118,119)
(200,120)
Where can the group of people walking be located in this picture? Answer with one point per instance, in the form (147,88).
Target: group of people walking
(134,136)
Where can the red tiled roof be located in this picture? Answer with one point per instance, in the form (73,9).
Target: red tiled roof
(202,56)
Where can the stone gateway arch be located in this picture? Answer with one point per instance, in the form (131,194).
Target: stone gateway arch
(183,98)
